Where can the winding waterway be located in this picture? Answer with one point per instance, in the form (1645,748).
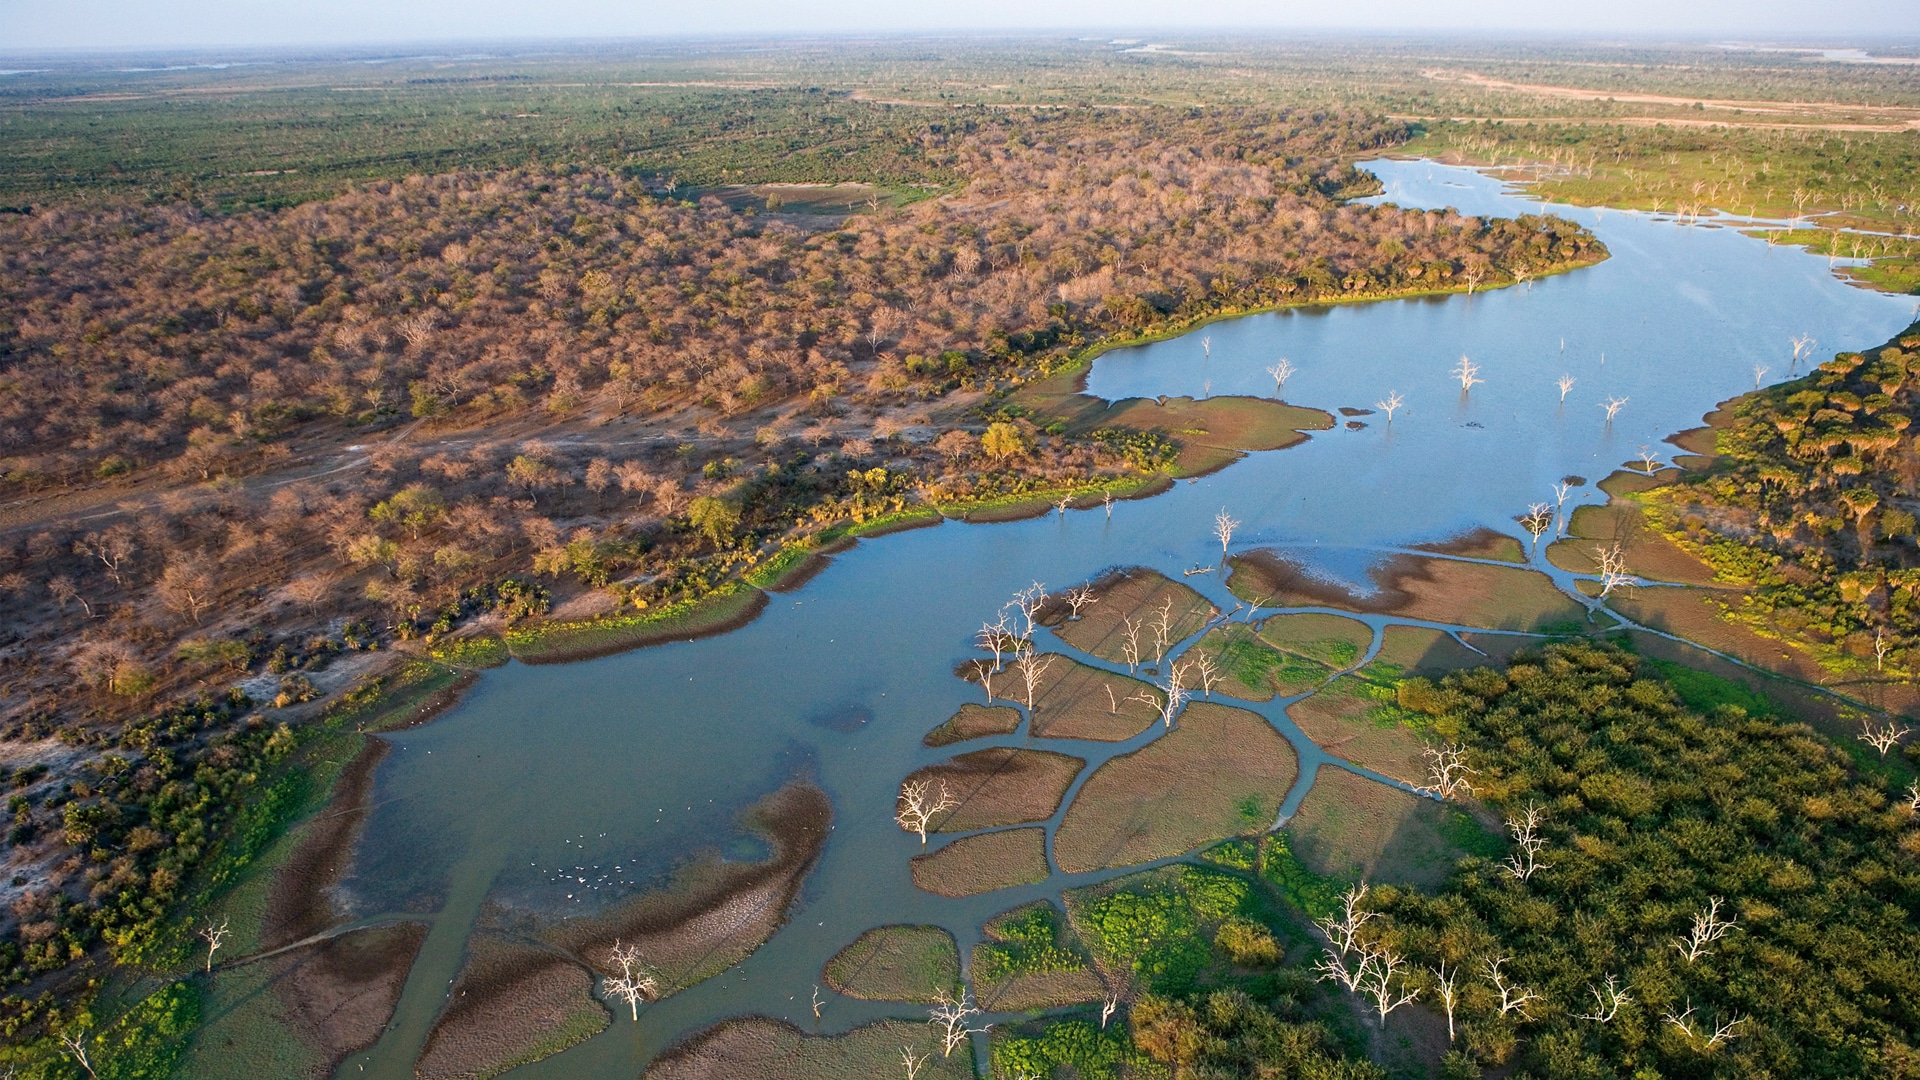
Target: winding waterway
(563,788)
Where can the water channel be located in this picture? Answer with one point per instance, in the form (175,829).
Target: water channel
(564,788)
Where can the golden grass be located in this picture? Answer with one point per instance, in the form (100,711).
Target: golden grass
(980,864)
(1359,829)
(1221,772)
(1648,554)
(896,963)
(974,722)
(1415,587)
(759,1048)
(1139,595)
(1001,786)
(1074,701)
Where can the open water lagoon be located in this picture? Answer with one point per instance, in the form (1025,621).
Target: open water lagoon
(561,789)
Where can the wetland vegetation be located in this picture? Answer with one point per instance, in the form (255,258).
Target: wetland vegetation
(292,452)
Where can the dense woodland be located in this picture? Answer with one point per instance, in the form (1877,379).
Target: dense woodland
(1812,502)
(1653,811)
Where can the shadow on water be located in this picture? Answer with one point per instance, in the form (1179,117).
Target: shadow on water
(627,764)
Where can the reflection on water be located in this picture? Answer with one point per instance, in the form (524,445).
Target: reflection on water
(608,772)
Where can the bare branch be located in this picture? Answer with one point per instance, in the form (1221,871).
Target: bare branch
(1708,927)
(919,805)
(1513,997)
(953,1018)
(1528,841)
(1608,1000)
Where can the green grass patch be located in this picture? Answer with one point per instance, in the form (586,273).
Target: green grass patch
(1078,1048)
(1315,894)
(1704,691)
(1156,925)
(1029,940)
(559,642)
(485,651)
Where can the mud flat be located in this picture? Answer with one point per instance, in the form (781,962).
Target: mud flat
(897,963)
(1415,587)
(1031,959)
(1481,543)
(980,864)
(758,1048)
(1359,829)
(974,722)
(513,1003)
(297,902)
(1221,772)
(335,996)
(1137,594)
(714,912)
(1001,786)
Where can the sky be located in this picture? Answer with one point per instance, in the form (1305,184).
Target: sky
(27,25)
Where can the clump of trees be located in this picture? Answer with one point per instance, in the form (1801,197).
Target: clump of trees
(1718,895)
(1812,501)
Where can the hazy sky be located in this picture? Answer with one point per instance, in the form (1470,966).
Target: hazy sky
(34,24)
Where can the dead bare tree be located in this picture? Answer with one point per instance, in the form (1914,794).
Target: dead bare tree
(918,806)
(1467,372)
(1390,404)
(1513,997)
(1176,695)
(1028,602)
(1913,797)
(1802,348)
(1346,962)
(1528,841)
(1882,738)
(1162,630)
(1447,771)
(1566,387)
(1107,1006)
(1612,405)
(76,1047)
(1700,1037)
(1560,492)
(113,548)
(1537,520)
(1209,674)
(1650,462)
(1759,373)
(1613,571)
(1065,502)
(995,637)
(1281,372)
(1881,647)
(636,982)
(1106,498)
(213,936)
(1378,977)
(1608,1000)
(1130,648)
(1223,526)
(1708,927)
(817,1002)
(1206,346)
(1446,987)
(912,1063)
(953,1018)
(1032,670)
(1078,597)
(984,672)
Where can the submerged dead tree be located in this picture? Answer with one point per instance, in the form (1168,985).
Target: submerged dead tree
(921,802)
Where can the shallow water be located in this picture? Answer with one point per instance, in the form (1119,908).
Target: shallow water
(612,770)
